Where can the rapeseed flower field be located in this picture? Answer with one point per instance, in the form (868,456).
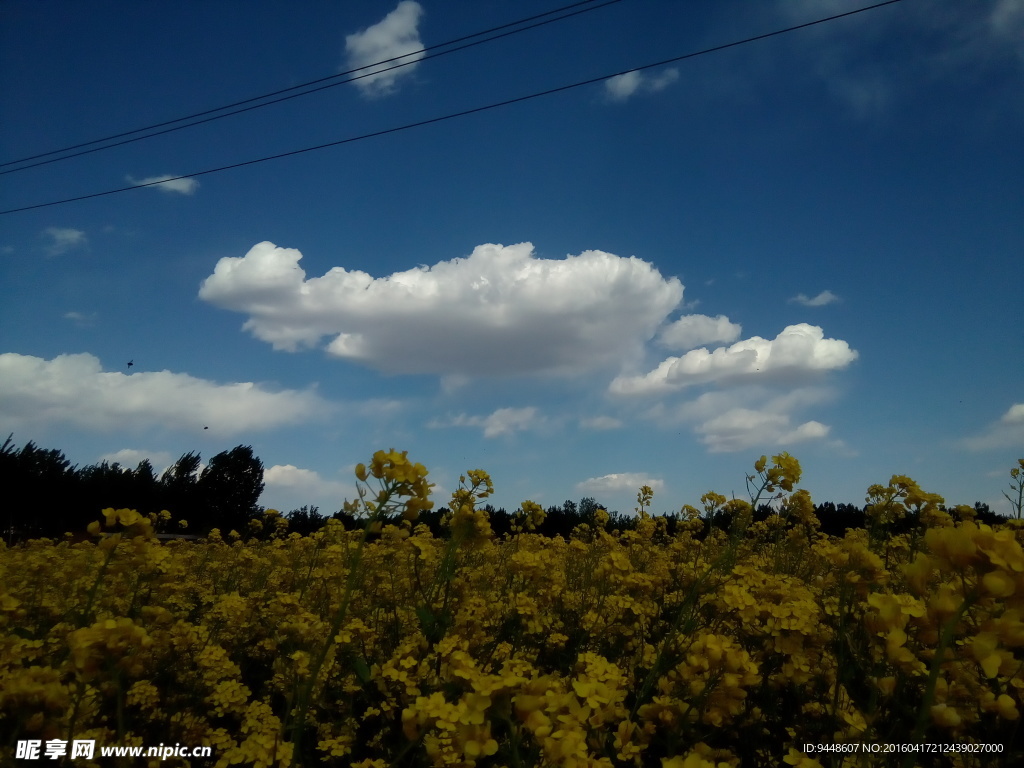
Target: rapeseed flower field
(764,644)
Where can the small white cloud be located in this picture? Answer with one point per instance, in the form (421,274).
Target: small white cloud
(822,299)
(396,37)
(622,87)
(75,390)
(1008,432)
(64,239)
(797,352)
(503,421)
(750,417)
(130,458)
(693,331)
(167,183)
(743,428)
(601,423)
(501,311)
(304,482)
(619,483)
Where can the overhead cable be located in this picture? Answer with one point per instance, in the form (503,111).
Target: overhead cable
(463,113)
(267,99)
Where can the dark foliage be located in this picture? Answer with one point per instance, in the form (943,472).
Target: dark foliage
(229,489)
(305,520)
(58,497)
(47,497)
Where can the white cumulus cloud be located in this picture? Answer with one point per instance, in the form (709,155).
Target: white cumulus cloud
(799,350)
(1008,432)
(298,487)
(75,390)
(741,428)
(822,299)
(167,183)
(619,483)
(395,37)
(501,311)
(750,417)
(692,331)
(622,87)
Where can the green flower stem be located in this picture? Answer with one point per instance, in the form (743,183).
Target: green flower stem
(945,639)
(305,695)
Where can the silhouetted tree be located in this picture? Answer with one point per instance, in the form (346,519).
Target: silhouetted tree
(305,520)
(229,488)
(180,488)
(39,486)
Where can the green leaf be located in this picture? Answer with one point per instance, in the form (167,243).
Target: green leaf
(362,670)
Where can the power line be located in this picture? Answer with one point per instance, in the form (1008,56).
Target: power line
(463,113)
(206,114)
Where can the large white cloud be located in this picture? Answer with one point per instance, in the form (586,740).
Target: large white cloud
(75,390)
(499,311)
(799,350)
(397,35)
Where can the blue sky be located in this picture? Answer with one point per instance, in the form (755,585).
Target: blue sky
(810,243)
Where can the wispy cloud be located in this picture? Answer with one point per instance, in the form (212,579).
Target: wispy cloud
(620,483)
(601,423)
(622,87)
(1005,433)
(501,311)
(503,421)
(63,239)
(978,39)
(1006,23)
(396,37)
(822,299)
(81,319)
(167,183)
(75,390)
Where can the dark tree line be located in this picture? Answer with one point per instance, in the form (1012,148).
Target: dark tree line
(836,519)
(57,497)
